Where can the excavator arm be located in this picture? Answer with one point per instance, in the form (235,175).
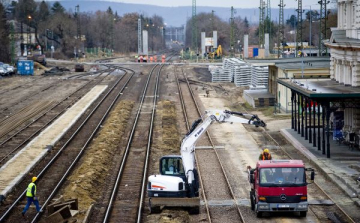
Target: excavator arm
(198,129)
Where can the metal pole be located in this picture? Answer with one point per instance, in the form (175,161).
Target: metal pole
(310,29)
(306,127)
(314,136)
(323,134)
(295,122)
(328,130)
(295,43)
(298,113)
(310,132)
(319,138)
(292,109)
(302,116)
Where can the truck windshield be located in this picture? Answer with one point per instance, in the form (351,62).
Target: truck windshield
(274,177)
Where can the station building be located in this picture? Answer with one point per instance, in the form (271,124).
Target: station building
(330,108)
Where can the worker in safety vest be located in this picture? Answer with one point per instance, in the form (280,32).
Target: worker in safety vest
(155,58)
(163,58)
(151,59)
(31,197)
(265,155)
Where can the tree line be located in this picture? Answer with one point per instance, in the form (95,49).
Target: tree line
(207,22)
(68,30)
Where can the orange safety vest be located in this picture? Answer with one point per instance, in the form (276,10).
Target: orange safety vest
(266,158)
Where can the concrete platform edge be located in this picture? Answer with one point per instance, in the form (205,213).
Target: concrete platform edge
(347,189)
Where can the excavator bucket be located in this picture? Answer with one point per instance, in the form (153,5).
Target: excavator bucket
(192,205)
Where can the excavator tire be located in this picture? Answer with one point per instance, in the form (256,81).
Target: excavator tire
(194,210)
(154,209)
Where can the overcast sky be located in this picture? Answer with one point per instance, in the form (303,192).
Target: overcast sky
(223,3)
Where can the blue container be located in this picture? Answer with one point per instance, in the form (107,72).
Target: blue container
(25,67)
(255,52)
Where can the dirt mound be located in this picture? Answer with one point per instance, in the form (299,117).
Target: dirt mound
(95,166)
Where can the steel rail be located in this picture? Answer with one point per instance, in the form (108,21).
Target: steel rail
(3,217)
(144,179)
(217,155)
(122,166)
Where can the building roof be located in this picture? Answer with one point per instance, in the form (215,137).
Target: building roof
(338,39)
(306,65)
(289,60)
(321,88)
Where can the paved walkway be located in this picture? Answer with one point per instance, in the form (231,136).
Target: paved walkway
(342,168)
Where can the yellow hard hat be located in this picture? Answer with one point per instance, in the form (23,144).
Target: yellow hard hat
(33,179)
(266,150)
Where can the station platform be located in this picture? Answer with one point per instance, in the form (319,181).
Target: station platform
(342,168)
(17,167)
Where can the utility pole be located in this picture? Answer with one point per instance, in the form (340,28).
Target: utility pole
(77,15)
(212,20)
(139,36)
(232,37)
(261,24)
(268,19)
(194,27)
(268,16)
(323,26)
(281,36)
(310,25)
(299,42)
(12,43)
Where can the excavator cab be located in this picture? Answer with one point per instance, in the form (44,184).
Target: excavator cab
(172,166)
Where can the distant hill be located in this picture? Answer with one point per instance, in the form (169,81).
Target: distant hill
(173,16)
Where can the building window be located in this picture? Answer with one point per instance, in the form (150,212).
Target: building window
(353,15)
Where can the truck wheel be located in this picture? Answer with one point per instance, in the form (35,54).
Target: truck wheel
(303,214)
(252,202)
(258,214)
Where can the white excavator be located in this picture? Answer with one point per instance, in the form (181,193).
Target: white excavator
(177,185)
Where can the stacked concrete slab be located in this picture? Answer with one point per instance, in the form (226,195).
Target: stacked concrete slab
(259,76)
(242,75)
(240,72)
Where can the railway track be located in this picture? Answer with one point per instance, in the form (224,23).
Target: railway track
(32,94)
(44,117)
(127,194)
(223,189)
(54,168)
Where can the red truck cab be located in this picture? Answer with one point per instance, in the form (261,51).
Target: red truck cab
(279,186)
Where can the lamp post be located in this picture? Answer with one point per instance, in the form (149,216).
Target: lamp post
(29,33)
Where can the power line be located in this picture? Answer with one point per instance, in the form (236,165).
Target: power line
(281,36)
(232,37)
(323,26)
(261,24)
(194,27)
(299,42)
